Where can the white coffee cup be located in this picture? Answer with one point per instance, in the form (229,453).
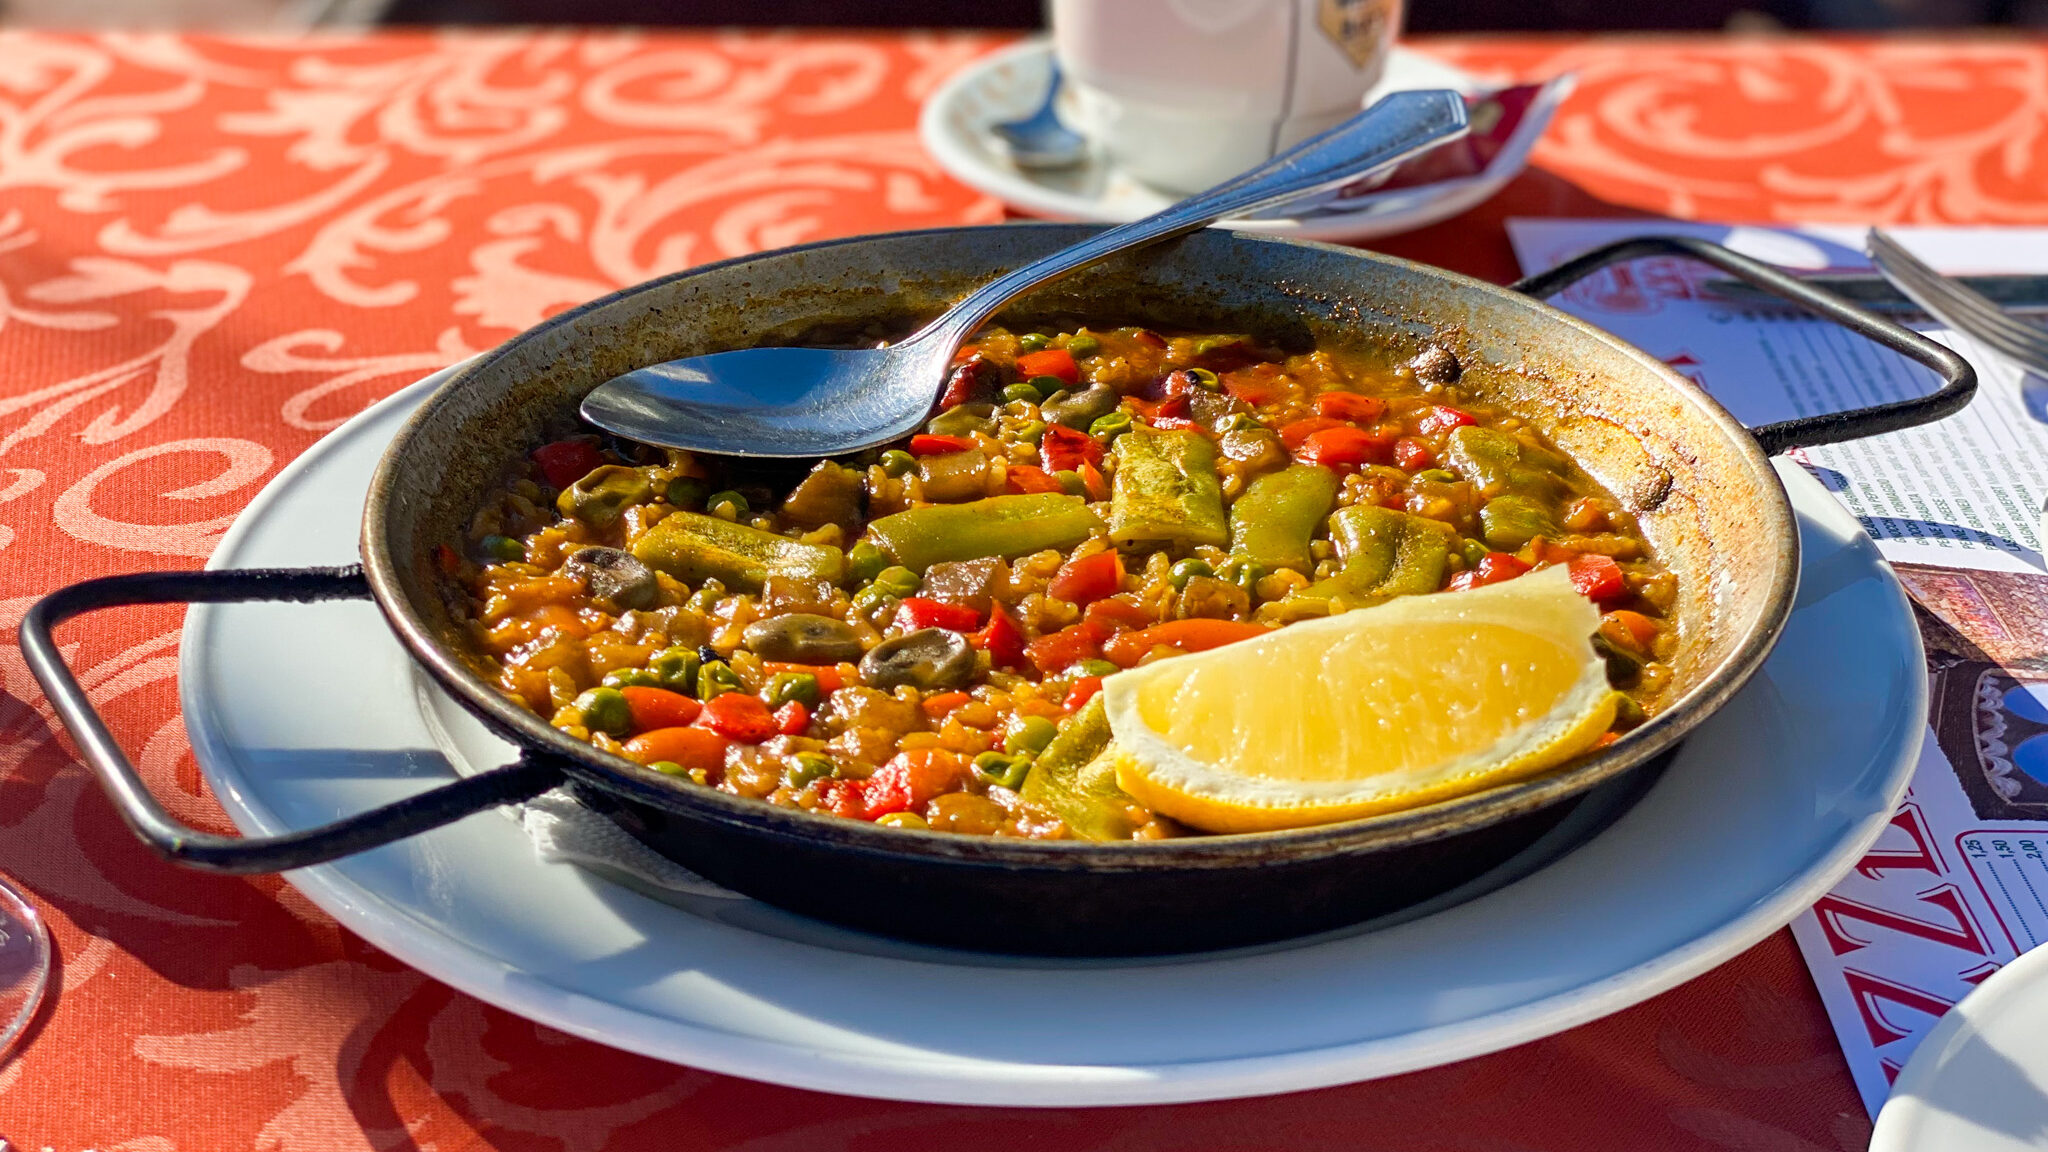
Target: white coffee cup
(1183,94)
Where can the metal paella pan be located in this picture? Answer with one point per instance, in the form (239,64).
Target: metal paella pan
(1698,483)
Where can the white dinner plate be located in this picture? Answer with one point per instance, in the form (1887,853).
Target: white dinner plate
(1009,84)
(1979,1081)
(302,713)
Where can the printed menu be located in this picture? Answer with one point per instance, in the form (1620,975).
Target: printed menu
(1957,885)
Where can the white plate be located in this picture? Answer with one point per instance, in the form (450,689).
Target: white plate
(1979,1080)
(1009,84)
(301,713)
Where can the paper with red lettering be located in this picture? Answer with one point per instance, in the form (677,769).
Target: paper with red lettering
(1958,884)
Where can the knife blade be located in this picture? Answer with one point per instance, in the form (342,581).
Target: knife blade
(2021,293)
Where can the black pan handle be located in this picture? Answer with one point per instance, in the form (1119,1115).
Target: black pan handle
(1959,380)
(157,828)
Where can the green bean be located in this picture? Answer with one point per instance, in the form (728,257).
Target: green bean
(996,526)
(1279,513)
(1003,768)
(1511,521)
(1075,779)
(1166,491)
(897,462)
(503,548)
(605,710)
(963,420)
(1385,554)
(676,668)
(692,547)
(1242,572)
(1497,462)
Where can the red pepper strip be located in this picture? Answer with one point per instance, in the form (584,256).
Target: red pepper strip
(1193,635)
(566,461)
(912,779)
(659,708)
(1050,362)
(1413,455)
(1344,447)
(792,719)
(1350,406)
(1256,384)
(447,560)
(1149,338)
(1081,693)
(1631,630)
(1176,424)
(690,747)
(1023,479)
(938,706)
(1063,649)
(1001,639)
(830,678)
(919,612)
(1114,615)
(1293,435)
(928,444)
(1093,482)
(846,798)
(1443,419)
(1087,579)
(1065,449)
(1598,578)
(1493,568)
(738,716)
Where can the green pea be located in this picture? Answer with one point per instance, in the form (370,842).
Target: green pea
(1082,344)
(604,710)
(675,668)
(1474,552)
(669,768)
(1212,343)
(687,492)
(1031,431)
(1023,391)
(864,561)
(1029,735)
(1440,475)
(1243,573)
(704,599)
(1187,570)
(1047,385)
(897,462)
(503,548)
(1003,768)
(784,687)
(897,581)
(1096,668)
(631,678)
(1204,379)
(715,678)
(727,505)
(1071,482)
(806,767)
(910,820)
(1111,426)
(871,598)
(1032,342)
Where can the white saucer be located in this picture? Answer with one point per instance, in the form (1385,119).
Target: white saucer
(301,713)
(1979,1080)
(1011,83)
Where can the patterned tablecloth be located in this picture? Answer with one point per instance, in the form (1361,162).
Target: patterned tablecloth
(214,251)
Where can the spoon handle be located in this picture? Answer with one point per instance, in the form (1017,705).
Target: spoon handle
(1394,128)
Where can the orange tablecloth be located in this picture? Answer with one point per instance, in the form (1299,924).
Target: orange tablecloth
(213,251)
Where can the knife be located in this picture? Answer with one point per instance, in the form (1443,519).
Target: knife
(2015,293)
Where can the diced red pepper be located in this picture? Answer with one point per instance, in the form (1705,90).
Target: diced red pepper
(976,379)
(792,719)
(1294,435)
(1492,568)
(1065,449)
(830,678)
(1196,634)
(1050,362)
(1023,479)
(919,612)
(930,444)
(1598,578)
(1114,615)
(1442,419)
(696,748)
(738,716)
(659,708)
(1063,649)
(1001,639)
(1350,406)
(846,798)
(1093,482)
(912,779)
(1345,447)
(938,706)
(1255,384)
(966,352)
(447,560)
(1081,693)
(1631,630)
(1089,578)
(1176,424)
(1179,383)
(1149,338)
(1413,454)
(566,461)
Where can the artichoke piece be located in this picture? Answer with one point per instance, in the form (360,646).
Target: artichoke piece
(693,548)
(1075,779)
(1510,521)
(1385,554)
(604,494)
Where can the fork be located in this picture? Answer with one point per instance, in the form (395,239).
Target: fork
(1958,306)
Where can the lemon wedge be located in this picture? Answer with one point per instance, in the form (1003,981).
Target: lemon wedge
(1414,701)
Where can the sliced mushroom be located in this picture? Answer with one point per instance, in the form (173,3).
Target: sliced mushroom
(615,576)
(927,659)
(802,638)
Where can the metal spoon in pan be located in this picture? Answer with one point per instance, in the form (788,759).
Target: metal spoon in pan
(794,402)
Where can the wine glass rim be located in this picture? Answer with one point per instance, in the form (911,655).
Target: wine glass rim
(15,907)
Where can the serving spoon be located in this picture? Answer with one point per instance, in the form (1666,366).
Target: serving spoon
(794,402)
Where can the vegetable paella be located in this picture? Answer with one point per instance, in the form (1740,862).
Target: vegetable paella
(915,636)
